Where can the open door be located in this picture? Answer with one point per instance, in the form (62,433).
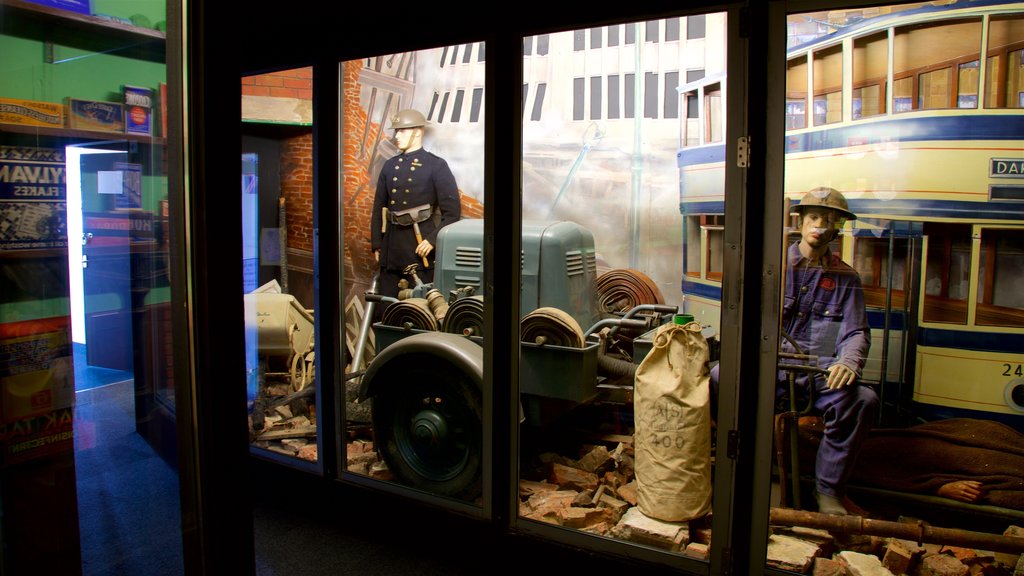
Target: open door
(110,190)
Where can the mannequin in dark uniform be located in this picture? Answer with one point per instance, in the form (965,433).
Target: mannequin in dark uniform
(413,178)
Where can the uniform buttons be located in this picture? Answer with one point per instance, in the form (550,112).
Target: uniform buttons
(826,312)
(803,288)
(800,314)
(392,201)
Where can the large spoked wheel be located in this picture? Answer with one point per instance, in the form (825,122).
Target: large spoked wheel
(427,426)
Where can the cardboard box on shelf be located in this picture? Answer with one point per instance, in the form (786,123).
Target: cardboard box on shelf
(138,110)
(95,115)
(31,113)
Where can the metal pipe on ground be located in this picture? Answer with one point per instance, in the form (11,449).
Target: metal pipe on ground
(918,532)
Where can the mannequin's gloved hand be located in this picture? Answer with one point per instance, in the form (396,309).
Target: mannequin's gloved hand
(840,376)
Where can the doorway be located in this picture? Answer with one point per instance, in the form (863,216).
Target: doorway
(102,187)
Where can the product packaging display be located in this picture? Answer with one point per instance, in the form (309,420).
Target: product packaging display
(31,113)
(138,110)
(95,115)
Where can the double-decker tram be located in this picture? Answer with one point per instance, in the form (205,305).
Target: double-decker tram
(916,114)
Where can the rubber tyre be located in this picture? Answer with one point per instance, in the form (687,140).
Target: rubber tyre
(427,425)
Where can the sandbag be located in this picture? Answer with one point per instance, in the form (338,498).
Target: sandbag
(672,431)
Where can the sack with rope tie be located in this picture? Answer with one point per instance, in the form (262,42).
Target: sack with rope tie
(672,436)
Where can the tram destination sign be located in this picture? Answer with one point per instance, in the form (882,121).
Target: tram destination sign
(1006,167)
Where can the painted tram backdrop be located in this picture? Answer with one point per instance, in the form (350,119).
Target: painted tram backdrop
(917,116)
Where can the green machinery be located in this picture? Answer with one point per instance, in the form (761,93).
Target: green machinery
(580,336)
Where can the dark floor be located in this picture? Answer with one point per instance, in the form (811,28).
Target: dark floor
(129,517)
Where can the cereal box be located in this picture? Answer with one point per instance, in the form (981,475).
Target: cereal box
(138,110)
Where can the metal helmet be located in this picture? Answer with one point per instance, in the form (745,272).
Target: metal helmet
(407,119)
(825,198)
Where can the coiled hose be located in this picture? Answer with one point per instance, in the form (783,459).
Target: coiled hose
(410,314)
(551,326)
(465,316)
(623,289)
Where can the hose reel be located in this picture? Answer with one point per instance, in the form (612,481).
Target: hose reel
(623,289)
(410,314)
(551,326)
(465,316)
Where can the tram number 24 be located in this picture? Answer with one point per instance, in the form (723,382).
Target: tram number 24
(1012,370)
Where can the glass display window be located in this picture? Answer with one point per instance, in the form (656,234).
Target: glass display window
(622,247)
(412,262)
(89,206)
(277,266)
(898,342)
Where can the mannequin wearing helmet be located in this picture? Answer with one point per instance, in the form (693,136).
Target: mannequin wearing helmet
(824,315)
(828,209)
(413,186)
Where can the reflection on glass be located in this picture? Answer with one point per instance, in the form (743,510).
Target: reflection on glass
(930,255)
(619,169)
(412,190)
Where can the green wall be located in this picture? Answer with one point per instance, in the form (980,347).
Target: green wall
(79,73)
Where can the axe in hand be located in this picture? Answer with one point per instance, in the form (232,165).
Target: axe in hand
(413,215)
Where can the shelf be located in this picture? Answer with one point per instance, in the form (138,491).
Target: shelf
(72,134)
(82,31)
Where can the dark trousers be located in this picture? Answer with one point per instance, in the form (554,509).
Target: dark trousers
(848,415)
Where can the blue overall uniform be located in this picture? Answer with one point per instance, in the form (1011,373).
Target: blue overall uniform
(823,311)
(406,181)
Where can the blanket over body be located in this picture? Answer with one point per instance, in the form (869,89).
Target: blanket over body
(921,458)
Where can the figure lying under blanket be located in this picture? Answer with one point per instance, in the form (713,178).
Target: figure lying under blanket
(970,460)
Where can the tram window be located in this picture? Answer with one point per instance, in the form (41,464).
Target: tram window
(705,238)
(933,89)
(1003,78)
(871,260)
(714,128)
(903,95)
(870,66)
(796,93)
(947,273)
(715,240)
(693,245)
(691,126)
(1000,300)
(1015,79)
(967,85)
(927,62)
(828,85)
